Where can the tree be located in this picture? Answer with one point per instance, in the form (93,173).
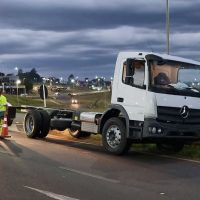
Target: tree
(33,71)
(32,76)
(20,71)
(28,85)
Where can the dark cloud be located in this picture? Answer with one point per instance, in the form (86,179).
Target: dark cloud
(84,39)
(66,17)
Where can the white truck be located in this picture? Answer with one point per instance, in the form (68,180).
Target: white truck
(155,99)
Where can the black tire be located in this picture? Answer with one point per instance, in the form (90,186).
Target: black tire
(169,148)
(85,134)
(45,124)
(111,143)
(32,123)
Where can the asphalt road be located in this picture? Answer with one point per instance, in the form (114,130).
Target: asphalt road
(57,169)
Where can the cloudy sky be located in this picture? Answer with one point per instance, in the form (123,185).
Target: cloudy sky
(83,37)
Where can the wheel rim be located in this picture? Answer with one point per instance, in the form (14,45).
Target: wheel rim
(29,124)
(113,136)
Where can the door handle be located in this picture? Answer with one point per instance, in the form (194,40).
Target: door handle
(120,99)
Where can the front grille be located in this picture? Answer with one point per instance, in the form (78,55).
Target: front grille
(172,115)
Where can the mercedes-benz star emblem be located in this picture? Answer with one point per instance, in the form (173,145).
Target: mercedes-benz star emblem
(184,112)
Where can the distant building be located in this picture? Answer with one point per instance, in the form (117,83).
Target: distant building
(9,79)
(9,86)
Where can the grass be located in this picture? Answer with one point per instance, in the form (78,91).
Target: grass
(189,151)
(91,102)
(12,99)
(97,102)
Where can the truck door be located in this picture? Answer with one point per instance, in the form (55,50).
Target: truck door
(132,88)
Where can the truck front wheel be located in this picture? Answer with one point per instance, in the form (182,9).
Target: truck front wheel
(114,137)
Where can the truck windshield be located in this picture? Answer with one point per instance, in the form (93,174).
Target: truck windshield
(175,78)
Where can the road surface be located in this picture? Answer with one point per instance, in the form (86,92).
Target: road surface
(57,169)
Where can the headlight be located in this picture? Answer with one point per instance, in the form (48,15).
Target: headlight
(74,101)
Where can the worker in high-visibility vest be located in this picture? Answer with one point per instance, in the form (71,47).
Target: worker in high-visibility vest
(3,108)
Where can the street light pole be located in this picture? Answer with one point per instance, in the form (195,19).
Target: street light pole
(167,26)
(44,92)
(17,96)
(3,87)
(17,84)
(44,96)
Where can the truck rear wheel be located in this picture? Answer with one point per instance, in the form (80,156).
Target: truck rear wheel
(85,134)
(114,137)
(32,123)
(45,124)
(170,148)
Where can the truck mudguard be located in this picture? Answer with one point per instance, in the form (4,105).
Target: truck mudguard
(114,110)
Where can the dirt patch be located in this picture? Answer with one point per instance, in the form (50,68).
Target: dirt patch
(93,139)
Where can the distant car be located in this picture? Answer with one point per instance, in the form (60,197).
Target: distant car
(57,94)
(98,88)
(74,101)
(23,95)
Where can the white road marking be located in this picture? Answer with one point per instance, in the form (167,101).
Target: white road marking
(90,175)
(51,194)
(172,157)
(183,159)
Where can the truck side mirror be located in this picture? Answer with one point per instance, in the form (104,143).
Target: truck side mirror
(130,69)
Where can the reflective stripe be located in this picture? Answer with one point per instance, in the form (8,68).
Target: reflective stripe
(3,103)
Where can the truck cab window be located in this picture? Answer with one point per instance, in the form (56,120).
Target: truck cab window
(135,75)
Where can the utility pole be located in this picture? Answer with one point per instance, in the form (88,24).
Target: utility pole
(167,26)
(44,92)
